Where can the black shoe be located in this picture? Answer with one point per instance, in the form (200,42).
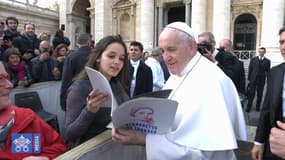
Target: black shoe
(247,110)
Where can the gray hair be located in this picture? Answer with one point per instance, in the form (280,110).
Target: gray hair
(83,38)
(210,35)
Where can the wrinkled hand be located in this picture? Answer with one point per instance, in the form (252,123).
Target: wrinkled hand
(56,73)
(22,83)
(128,137)
(36,158)
(44,56)
(277,140)
(37,52)
(256,152)
(209,55)
(95,100)
(27,56)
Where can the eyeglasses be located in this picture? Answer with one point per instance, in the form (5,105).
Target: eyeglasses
(3,77)
(281,42)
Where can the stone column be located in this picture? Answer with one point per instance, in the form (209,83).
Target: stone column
(272,21)
(160,17)
(199,16)
(147,24)
(221,19)
(92,21)
(187,11)
(99,16)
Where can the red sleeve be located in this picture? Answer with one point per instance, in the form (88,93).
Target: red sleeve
(52,145)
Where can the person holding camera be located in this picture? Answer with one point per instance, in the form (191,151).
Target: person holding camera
(45,67)
(239,73)
(206,46)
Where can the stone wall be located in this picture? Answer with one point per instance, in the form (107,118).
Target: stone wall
(46,20)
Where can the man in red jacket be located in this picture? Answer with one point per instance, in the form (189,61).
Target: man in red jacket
(24,135)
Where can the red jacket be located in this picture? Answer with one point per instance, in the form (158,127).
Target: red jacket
(26,121)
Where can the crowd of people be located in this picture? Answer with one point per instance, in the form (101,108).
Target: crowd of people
(30,58)
(207,104)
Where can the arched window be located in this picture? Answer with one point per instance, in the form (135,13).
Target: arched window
(125,26)
(245,32)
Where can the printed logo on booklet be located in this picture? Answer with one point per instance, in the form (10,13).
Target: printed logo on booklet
(26,143)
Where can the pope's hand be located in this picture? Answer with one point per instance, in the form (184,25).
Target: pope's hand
(128,137)
(256,152)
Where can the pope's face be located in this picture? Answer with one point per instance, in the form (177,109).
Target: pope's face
(5,88)
(176,51)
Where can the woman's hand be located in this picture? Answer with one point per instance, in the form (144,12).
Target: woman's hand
(95,100)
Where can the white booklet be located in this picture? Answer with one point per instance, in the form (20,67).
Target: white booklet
(146,113)
(99,81)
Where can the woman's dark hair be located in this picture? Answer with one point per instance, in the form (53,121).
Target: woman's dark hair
(96,53)
(11,18)
(59,33)
(11,51)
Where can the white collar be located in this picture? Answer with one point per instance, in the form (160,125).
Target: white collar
(135,63)
(190,65)
(215,53)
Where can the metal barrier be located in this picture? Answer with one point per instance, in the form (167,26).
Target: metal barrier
(244,54)
(49,94)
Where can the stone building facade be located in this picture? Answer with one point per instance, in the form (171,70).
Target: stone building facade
(45,19)
(248,23)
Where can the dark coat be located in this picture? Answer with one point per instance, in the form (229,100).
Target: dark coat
(42,71)
(24,44)
(73,64)
(272,108)
(226,61)
(239,78)
(254,69)
(58,40)
(143,79)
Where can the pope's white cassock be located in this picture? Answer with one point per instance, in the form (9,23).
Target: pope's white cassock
(209,118)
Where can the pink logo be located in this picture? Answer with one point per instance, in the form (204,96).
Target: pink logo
(143,114)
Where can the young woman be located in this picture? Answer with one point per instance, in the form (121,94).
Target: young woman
(60,53)
(19,72)
(85,116)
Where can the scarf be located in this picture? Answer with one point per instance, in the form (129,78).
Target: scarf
(6,122)
(19,69)
(30,38)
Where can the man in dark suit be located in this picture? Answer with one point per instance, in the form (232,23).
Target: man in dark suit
(141,74)
(272,110)
(73,64)
(239,75)
(258,70)
(225,61)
